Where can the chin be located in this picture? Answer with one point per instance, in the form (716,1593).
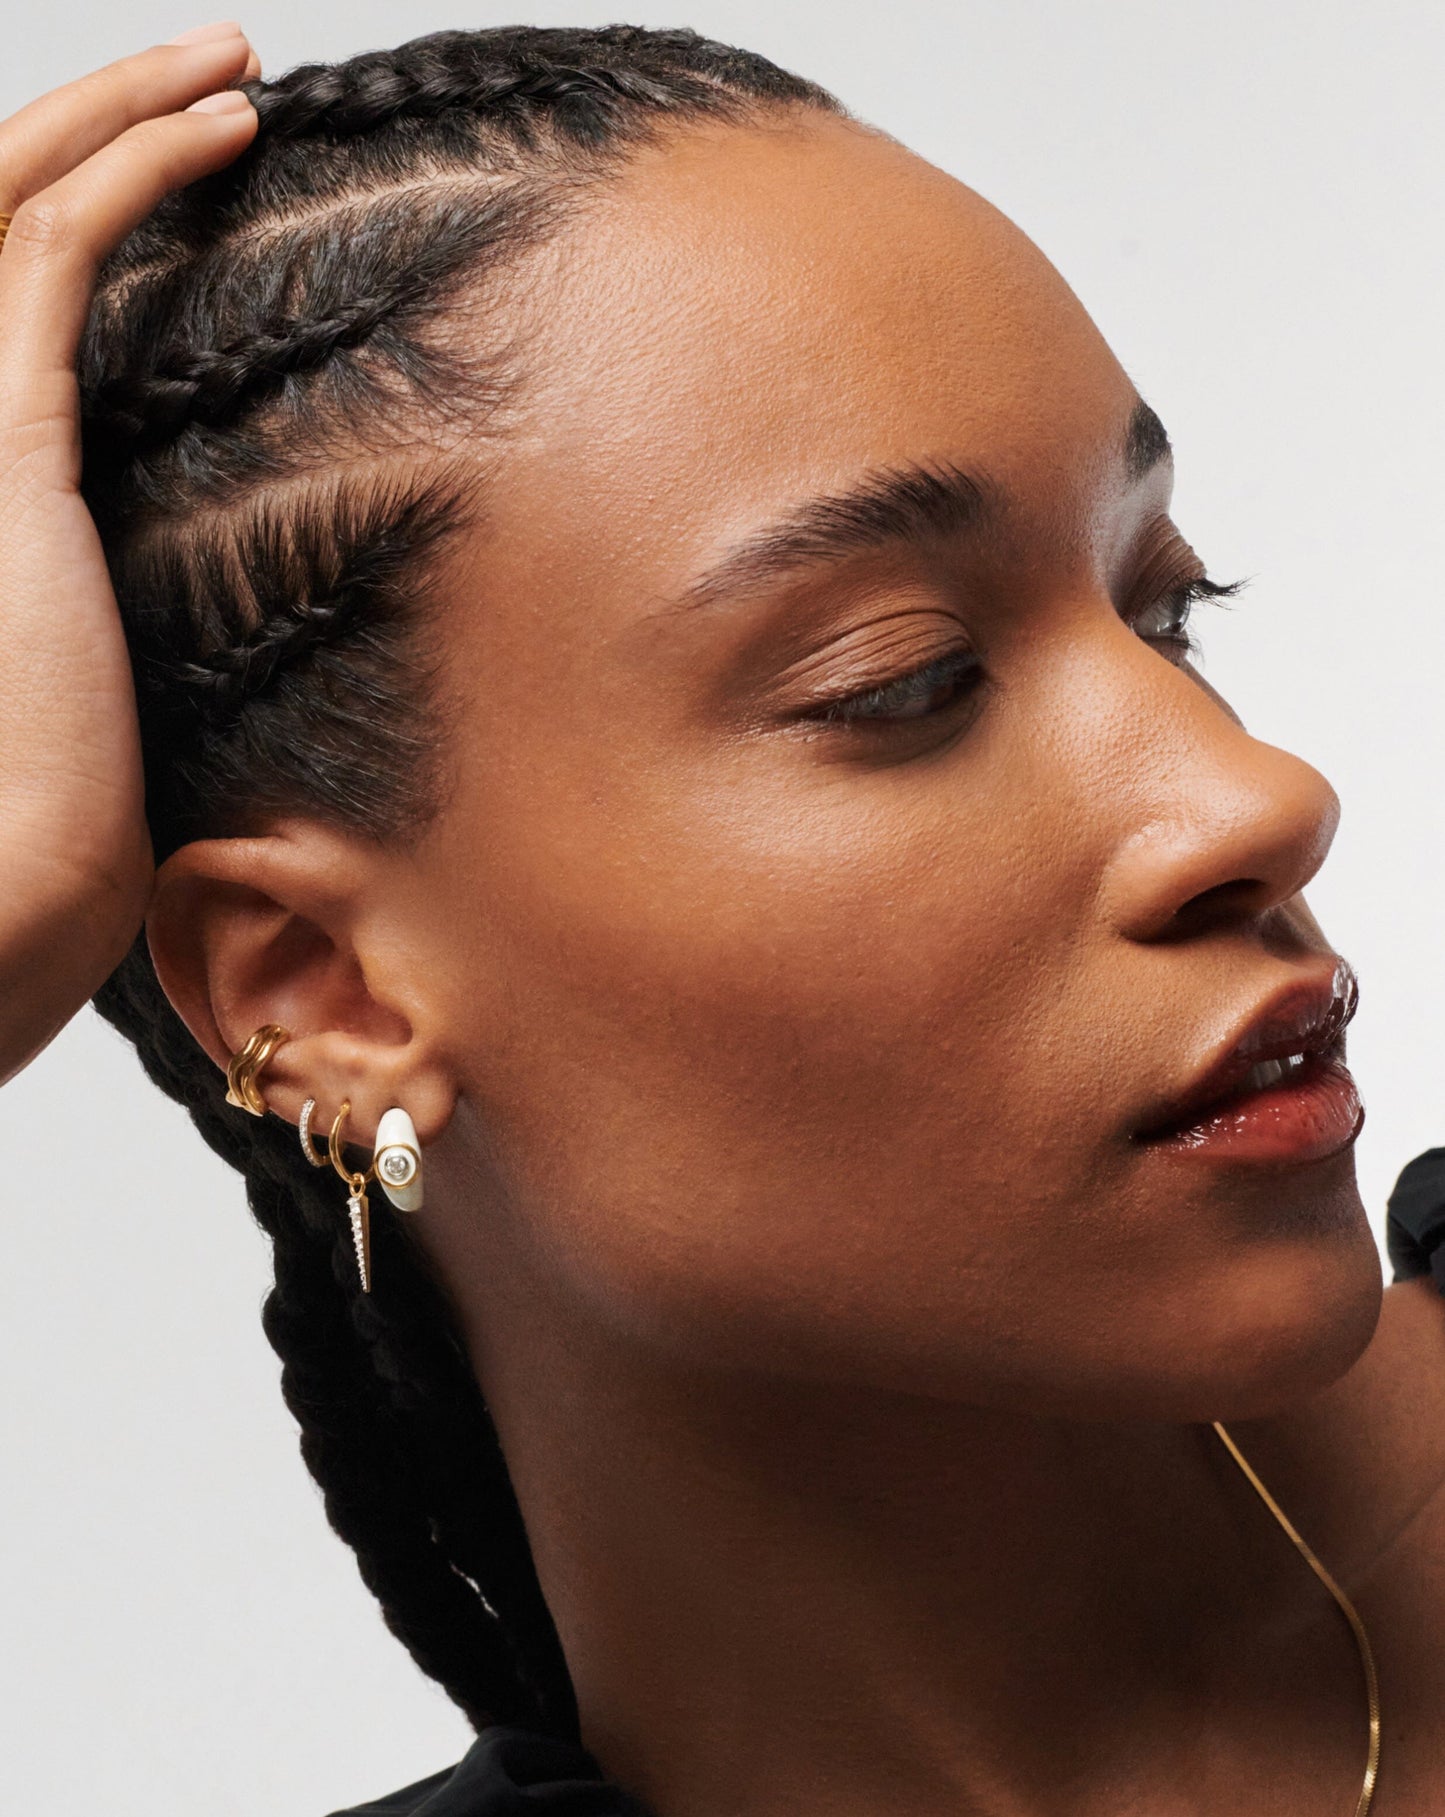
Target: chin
(1240,1327)
(1276,1323)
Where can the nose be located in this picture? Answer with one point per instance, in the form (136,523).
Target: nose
(1225,827)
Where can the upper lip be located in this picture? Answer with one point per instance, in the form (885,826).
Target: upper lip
(1306,1016)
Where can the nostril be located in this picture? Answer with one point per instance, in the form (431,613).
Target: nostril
(1214,907)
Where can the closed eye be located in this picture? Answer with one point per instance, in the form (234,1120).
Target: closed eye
(948,680)
(933,688)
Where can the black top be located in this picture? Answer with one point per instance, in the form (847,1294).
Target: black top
(1415,1220)
(509,1772)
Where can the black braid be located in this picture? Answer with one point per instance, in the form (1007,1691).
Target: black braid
(255,344)
(211,386)
(597,85)
(221,685)
(393,1426)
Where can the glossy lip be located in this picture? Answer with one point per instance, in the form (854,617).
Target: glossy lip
(1306,1016)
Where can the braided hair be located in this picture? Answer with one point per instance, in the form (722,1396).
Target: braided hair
(257,347)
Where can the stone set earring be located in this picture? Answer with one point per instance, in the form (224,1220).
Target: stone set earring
(395,1163)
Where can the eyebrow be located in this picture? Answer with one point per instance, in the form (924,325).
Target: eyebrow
(908,503)
(1146,442)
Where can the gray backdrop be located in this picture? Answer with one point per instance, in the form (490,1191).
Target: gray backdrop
(1248,196)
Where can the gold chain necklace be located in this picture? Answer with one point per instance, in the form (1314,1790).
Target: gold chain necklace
(1347,1609)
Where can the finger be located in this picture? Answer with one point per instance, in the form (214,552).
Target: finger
(58,238)
(56,132)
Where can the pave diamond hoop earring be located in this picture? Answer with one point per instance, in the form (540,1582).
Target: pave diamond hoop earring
(396,1163)
(303,1129)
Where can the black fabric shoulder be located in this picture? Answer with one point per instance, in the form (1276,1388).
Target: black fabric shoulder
(1415,1219)
(510,1772)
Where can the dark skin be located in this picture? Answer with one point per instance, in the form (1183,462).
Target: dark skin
(776,1077)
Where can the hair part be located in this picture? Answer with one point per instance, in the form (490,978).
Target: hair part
(258,349)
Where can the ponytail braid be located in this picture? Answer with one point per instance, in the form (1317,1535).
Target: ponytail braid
(254,344)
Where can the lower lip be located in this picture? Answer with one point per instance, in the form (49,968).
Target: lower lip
(1313,1116)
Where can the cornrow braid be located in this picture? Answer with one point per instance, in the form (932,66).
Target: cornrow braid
(594,87)
(211,386)
(258,349)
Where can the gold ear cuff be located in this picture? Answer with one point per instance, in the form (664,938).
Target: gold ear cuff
(244,1067)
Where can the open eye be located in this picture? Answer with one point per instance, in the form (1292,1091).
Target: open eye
(1166,622)
(921,693)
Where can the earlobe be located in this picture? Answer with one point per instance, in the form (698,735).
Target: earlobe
(396,1162)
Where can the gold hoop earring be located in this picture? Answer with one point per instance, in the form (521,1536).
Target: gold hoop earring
(244,1067)
(357,1206)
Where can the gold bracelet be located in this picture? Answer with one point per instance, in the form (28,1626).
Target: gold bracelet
(5,221)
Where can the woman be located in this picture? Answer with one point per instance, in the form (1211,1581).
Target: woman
(662,665)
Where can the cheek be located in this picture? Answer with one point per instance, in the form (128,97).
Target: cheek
(832,1080)
(771,1058)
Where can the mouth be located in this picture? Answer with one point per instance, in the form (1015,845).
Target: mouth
(1278,1090)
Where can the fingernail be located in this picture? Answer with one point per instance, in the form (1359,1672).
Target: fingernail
(229,101)
(209,34)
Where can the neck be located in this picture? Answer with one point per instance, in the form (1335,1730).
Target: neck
(777,1596)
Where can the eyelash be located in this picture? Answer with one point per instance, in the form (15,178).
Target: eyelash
(1182,600)
(869,705)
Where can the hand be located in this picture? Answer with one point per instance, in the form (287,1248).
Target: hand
(79,168)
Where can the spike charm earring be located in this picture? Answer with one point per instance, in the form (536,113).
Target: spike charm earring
(359,1208)
(396,1163)
(398,1160)
(357,1205)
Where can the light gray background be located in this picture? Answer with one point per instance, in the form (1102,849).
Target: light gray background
(1248,196)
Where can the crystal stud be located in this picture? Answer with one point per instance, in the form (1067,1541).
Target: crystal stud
(397,1166)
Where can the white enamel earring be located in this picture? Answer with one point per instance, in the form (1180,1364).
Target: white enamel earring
(398,1160)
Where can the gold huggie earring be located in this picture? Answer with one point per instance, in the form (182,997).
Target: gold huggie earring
(356,1204)
(244,1067)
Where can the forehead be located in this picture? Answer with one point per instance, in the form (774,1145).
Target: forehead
(747,314)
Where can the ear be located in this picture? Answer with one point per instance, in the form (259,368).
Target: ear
(304,925)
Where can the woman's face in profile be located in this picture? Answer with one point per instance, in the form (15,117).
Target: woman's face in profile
(844,875)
